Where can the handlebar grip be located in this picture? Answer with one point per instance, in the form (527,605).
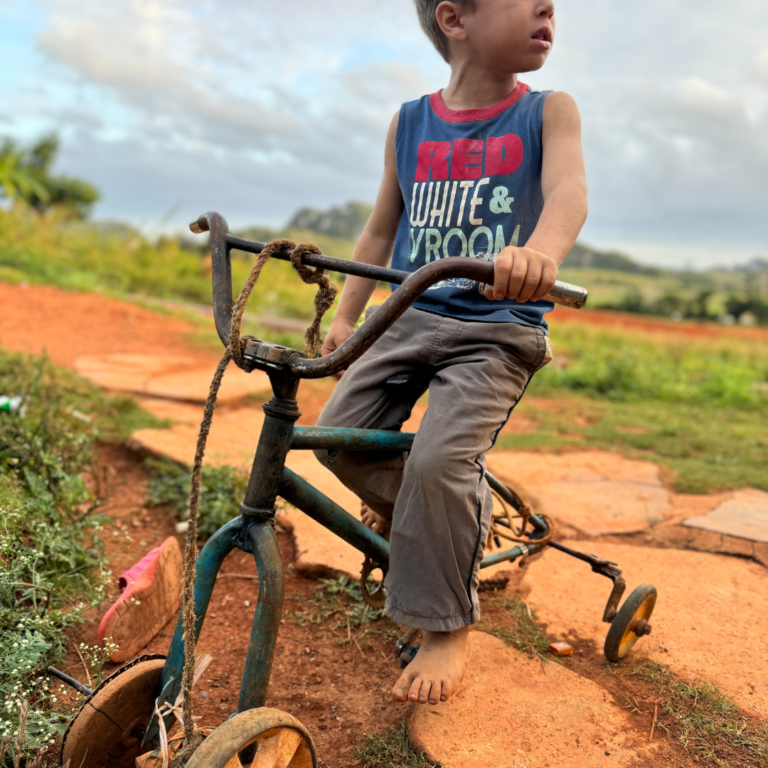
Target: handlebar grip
(567,295)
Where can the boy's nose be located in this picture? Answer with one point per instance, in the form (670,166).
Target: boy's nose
(546,9)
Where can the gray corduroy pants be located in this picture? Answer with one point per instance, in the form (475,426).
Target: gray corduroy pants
(436,496)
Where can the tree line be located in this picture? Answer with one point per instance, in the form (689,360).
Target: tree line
(26,177)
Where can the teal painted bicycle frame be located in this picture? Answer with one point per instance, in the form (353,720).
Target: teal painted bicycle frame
(253,532)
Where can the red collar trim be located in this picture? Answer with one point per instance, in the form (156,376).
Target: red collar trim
(471,115)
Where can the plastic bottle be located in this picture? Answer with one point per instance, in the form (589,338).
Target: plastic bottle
(11,404)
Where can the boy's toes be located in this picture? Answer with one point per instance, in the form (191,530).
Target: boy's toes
(435,693)
(425,694)
(402,687)
(415,692)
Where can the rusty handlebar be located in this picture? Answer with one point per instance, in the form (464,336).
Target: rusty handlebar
(413,285)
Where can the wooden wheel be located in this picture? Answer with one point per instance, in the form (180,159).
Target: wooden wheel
(282,742)
(631,622)
(108,730)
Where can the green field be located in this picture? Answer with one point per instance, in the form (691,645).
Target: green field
(697,405)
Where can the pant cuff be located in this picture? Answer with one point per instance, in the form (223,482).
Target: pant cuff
(427,623)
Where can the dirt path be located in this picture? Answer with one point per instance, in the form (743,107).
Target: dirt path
(70,324)
(335,678)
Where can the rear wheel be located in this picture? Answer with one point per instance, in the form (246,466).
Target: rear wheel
(108,730)
(281,741)
(631,622)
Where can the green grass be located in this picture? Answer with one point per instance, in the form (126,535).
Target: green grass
(221,491)
(526,635)
(52,564)
(706,449)
(697,406)
(391,751)
(340,598)
(704,721)
(76,255)
(632,366)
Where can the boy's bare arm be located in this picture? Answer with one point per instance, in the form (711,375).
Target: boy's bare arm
(528,273)
(374,247)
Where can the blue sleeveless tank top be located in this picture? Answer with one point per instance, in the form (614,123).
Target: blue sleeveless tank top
(471,184)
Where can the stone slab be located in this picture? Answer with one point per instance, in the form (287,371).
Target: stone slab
(511,712)
(744,515)
(710,621)
(595,492)
(174,378)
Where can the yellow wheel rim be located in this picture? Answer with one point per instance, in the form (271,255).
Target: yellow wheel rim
(629,638)
(283,742)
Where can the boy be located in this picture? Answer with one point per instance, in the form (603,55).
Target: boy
(484,168)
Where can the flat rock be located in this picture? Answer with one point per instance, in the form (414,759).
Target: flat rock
(744,515)
(174,378)
(511,712)
(710,621)
(594,492)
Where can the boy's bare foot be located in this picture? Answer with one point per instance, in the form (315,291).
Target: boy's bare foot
(374,521)
(437,669)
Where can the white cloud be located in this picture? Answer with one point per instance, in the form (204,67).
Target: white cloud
(257,108)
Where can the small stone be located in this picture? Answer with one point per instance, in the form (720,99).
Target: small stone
(203,694)
(307,650)
(182,527)
(607,753)
(560,649)
(247,604)
(135,523)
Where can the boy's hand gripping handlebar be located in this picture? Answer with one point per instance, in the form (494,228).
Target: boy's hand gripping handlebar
(413,285)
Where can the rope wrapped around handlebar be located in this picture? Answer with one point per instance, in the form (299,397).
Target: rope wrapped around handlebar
(324,298)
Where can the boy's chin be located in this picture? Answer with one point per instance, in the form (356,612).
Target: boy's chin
(532,63)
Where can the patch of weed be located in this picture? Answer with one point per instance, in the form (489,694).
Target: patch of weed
(526,636)
(221,491)
(703,720)
(52,564)
(342,598)
(391,751)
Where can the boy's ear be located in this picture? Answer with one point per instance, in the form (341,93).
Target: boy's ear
(449,18)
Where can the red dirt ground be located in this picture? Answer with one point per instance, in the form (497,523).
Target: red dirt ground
(615,320)
(339,690)
(69,324)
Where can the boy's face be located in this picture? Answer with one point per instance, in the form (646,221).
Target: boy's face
(515,35)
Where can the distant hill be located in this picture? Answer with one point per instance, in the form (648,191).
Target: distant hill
(346,221)
(757,266)
(582,256)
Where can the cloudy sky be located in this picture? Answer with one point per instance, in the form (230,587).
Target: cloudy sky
(256,108)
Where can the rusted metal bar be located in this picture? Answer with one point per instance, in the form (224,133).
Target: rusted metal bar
(604,568)
(70,681)
(413,284)
(510,555)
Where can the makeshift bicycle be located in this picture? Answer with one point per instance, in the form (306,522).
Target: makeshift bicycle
(120,718)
